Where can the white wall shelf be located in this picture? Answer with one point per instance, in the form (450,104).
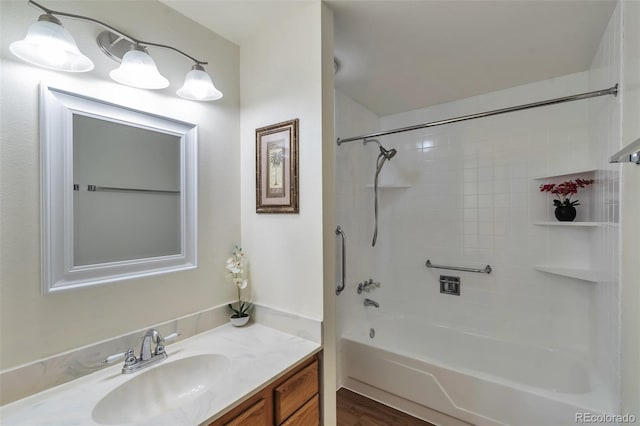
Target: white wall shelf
(570,224)
(568,174)
(577,273)
(391,185)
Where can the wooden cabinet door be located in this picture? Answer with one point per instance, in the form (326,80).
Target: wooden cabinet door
(252,416)
(295,392)
(307,415)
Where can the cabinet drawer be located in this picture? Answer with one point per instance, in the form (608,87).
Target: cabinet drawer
(295,392)
(308,415)
(252,416)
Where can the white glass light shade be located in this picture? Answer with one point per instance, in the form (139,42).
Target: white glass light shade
(138,69)
(49,45)
(198,86)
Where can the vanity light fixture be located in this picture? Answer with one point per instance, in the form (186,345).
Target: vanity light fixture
(198,86)
(49,45)
(138,69)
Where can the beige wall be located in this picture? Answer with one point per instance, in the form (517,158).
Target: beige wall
(280,76)
(630,364)
(33,326)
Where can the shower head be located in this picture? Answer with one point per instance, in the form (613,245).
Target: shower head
(386,153)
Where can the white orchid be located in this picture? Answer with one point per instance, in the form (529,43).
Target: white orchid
(235,265)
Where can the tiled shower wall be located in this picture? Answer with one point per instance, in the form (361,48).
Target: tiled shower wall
(467,194)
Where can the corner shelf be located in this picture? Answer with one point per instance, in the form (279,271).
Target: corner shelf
(581,241)
(571,224)
(562,175)
(391,186)
(577,273)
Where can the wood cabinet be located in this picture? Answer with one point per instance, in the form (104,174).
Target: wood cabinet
(291,400)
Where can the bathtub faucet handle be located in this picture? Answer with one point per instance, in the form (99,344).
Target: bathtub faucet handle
(366,286)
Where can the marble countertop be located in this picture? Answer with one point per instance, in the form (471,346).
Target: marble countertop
(257,355)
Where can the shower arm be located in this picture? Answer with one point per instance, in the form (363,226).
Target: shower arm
(610,91)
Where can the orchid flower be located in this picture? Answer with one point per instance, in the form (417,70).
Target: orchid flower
(235,265)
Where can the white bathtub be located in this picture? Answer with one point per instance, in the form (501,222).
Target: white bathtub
(473,378)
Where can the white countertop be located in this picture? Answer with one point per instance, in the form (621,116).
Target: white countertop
(257,355)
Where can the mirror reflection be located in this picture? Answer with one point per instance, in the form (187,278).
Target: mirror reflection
(126,202)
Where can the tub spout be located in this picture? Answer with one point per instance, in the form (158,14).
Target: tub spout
(369,302)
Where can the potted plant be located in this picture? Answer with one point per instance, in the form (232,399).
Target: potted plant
(565,208)
(236,267)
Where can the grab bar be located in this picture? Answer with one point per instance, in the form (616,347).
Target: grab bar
(487,269)
(340,287)
(94,188)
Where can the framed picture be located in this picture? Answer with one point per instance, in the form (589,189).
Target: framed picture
(277,168)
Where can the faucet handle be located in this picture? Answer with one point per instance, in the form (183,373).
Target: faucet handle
(117,357)
(161,340)
(367,285)
(130,358)
(172,336)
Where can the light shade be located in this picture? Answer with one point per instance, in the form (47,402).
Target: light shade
(48,45)
(138,69)
(198,86)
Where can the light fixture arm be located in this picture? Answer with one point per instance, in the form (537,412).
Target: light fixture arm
(113,30)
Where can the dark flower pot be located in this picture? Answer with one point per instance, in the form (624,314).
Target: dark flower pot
(565,213)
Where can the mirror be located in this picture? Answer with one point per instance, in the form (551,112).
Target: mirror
(119,190)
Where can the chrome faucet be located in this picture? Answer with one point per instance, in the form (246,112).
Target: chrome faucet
(369,302)
(147,356)
(145,350)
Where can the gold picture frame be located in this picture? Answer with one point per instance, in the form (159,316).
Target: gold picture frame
(277,168)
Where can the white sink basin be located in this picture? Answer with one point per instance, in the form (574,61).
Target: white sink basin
(163,388)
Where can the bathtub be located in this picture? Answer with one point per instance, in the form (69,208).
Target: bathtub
(428,370)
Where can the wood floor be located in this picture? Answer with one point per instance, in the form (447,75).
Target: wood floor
(357,410)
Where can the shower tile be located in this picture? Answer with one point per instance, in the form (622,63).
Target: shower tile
(470,228)
(485,173)
(486,228)
(470,214)
(470,188)
(501,186)
(485,241)
(470,201)
(485,214)
(470,175)
(485,187)
(471,241)
(485,201)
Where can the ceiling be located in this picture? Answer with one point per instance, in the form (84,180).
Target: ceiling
(399,55)
(236,20)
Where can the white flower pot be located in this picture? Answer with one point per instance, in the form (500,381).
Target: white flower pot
(239,322)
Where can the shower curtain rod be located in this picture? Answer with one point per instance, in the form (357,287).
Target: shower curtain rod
(610,91)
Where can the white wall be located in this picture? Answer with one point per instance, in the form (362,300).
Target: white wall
(281,79)
(329,338)
(353,205)
(34,326)
(630,212)
(604,136)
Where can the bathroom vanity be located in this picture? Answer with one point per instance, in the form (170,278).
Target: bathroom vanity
(254,375)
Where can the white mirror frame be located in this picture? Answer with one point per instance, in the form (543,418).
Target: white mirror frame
(57,108)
